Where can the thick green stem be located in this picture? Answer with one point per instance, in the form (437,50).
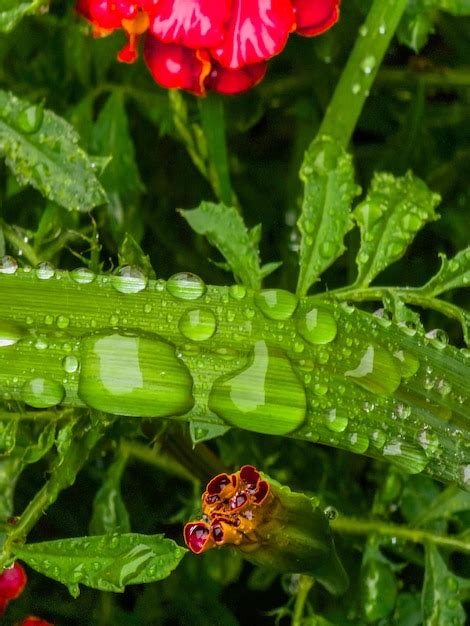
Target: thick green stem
(61,477)
(305,584)
(99,344)
(354,526)
(213,125)
(361,69)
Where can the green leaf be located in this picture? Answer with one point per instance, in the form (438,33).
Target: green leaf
(41,150)
(10,470)
(12,11)
(108,563)
(224,228)
(394,210)
(130,253)
(455,7)
(443,506)
(416,24)
(109,511)
(8,430)
(34,452)
(440,598)
(328,175)
(453,273)
(378,585)
(111,137)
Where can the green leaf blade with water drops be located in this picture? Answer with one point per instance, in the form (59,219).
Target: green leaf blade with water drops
(454,273)
(328,175)
(224,228)
(440,601)
(394,210)
(12,11)
(108,563)
(42,150)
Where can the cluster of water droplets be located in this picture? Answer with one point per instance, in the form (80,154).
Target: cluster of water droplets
(309,370)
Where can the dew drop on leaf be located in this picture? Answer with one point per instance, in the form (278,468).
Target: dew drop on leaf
(10,333)
(186,286)
(82,275)
(133,375)
(70,364)
(376,371)
(42,393)
(45,271)
(276,304)
(8,265)
(317,326)
(129,279)
(198,324)
(406,456)
(265,396)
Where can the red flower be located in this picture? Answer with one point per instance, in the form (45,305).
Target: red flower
(12,582)
(32,620)
(201,45)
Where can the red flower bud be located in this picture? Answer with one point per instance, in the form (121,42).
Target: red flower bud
(201,45)
(12,582)
(32,620)
(269,524)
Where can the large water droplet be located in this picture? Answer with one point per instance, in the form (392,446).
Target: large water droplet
(186,286)
(376,371)
(198,324)
(129,279)
(429,441)
(45,271)
(133,375)
(30,119)
(8,265)
(358,442)
(368,64)
(238,292)
(406,456)
(266,396)
(82,275)
(276,304)
(70,364)
(42,393)
(317,326)
(336,421)
(10,333)
(408,363)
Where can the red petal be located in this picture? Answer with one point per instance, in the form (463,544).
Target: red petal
(32,620)
(238,501)
(191,23)
(315,16)
(261,492)
(216,485)
(256,31)
(196,536)
(12,582)
(103,14)
(175,67)
(229,82)
(249,475)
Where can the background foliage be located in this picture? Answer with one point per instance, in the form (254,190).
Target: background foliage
(416,117)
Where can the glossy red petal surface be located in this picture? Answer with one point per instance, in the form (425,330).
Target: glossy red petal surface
(191,23)
(175,67)
(315,16)
(261,492)
(217,484)
(230,82)
(249,475)
(196,536)
(104,14)
(238,501)
(12,582)
(256,31)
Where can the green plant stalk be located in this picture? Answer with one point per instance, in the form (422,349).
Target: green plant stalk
(432,401)
(61,477)
(354,526)
(213,124)
(361,69)
(305,584)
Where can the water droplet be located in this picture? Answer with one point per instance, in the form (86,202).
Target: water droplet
(358,442)
(317,326)
(45,271)
(429,441)
(30,118)
(363,30)
(133,375)
(70,364)
(408,363)
(331,513)
(406,456)
(42,393)
(356,88)
(378,438)
(10,333)
(265,396)
(8,265)
(376,371)
(82,275)
(438,338)
(443,387)
(186,286)
(368,64)
(327,249)
(129,279)
(276,304)
(62,322)
(336,422)
(198,324)
(238,292)
(464,474)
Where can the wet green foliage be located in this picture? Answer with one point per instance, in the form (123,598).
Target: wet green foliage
(104,171)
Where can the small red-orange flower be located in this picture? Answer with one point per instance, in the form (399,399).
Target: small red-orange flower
(201,45)
(12,582)
(32,620)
